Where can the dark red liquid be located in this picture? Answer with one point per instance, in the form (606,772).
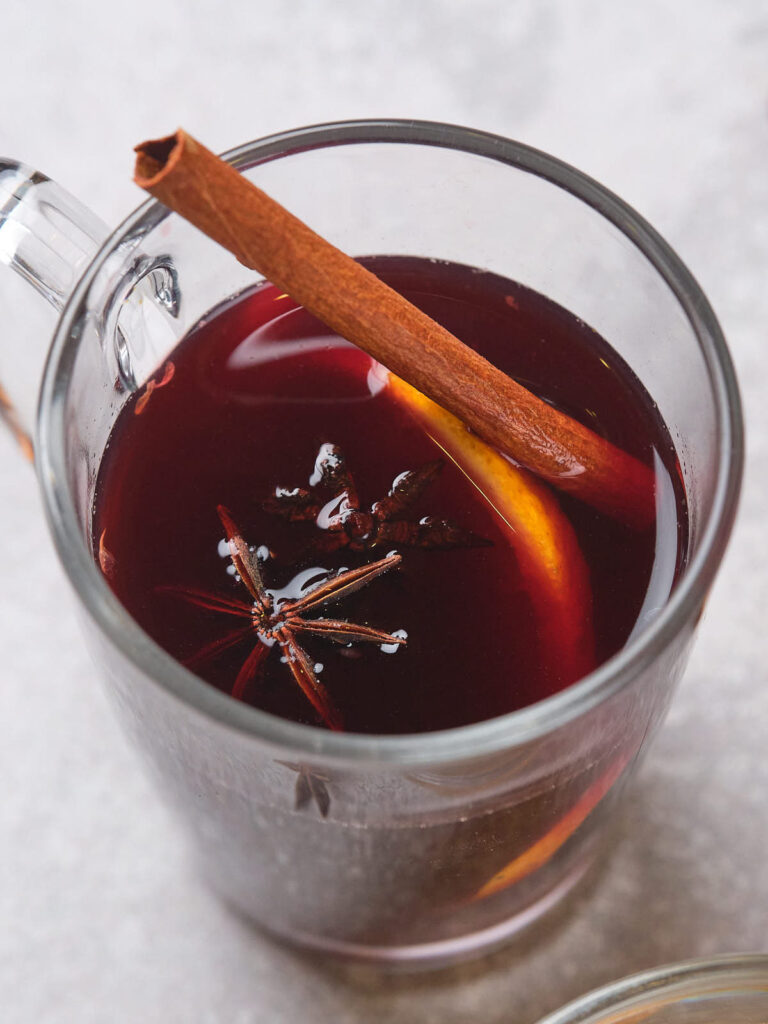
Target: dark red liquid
(257,389)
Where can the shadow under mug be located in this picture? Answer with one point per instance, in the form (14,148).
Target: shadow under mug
(415,848)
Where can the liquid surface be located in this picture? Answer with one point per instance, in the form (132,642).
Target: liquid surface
(253,395)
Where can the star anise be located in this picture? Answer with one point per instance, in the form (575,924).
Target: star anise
(333,504)
(272,621)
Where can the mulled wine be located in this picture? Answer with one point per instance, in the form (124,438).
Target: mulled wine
(275,516)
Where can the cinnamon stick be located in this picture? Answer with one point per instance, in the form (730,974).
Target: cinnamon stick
(198,185)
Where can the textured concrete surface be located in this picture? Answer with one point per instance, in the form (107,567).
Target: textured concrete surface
(101,916)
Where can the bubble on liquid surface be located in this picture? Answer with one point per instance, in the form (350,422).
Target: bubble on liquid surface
(401,634)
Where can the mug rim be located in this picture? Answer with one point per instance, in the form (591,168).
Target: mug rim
(678,981)
(506,731)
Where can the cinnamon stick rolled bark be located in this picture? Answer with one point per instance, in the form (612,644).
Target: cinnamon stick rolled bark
(195,183)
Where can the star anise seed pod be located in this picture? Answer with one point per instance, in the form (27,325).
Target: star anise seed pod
(271,622)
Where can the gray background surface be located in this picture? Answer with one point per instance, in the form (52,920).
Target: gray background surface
(101,916)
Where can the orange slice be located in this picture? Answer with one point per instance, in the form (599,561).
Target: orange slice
(557,579)
(550,561)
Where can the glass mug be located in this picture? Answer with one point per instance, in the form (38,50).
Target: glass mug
(394,848)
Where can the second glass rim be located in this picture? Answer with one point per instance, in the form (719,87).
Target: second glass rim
(679,980)
(465,742)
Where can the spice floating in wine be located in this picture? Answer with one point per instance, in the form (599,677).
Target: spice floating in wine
(333,505)
(276,619)
(262,386)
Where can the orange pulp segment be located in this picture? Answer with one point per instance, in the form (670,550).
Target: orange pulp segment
(550,561)
(546,847)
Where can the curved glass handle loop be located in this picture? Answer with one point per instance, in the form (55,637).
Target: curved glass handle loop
(48,238)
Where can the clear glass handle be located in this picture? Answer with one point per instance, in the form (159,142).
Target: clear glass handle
(48,238)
